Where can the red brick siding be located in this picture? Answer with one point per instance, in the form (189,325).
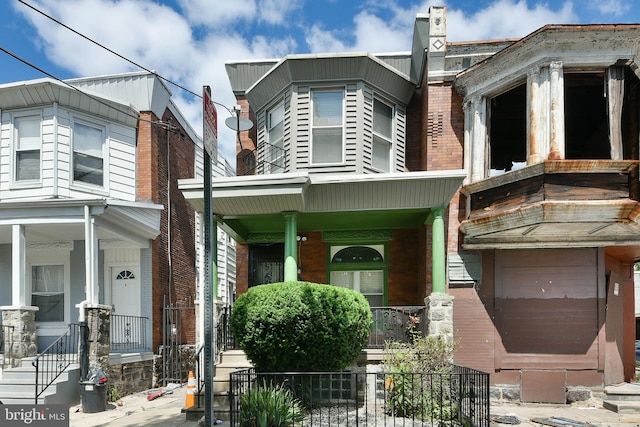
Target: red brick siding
(444,146)
(173,281)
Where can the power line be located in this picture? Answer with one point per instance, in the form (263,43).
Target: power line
(109,50)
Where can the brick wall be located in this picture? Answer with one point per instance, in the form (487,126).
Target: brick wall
(164,158)
(444,129)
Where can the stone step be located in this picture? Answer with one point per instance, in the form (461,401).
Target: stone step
(622,406)
(623,392)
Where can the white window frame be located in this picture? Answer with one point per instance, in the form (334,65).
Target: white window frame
(315,126)
(275,158)
(103,128)
(376,136)
(16,149)
(44,258)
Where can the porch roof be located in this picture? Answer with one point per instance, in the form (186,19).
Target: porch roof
(250,205)
(53,220)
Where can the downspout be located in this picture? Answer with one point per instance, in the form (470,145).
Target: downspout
(169,212)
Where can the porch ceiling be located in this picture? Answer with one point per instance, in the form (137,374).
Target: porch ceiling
(55,220)
(249,205)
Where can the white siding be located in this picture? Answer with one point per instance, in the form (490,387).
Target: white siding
(120,163)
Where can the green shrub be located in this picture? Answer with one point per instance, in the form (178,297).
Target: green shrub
(300,326)
(412,390)
(269,406)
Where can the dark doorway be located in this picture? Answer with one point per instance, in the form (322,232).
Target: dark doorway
(266,264)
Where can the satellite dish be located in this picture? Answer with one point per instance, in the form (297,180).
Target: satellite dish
(238,123)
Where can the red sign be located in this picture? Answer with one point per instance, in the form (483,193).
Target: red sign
(210,125)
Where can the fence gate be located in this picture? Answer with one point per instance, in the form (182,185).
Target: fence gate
(178,341)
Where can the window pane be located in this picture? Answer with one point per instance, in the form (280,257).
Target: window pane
(380,154)
(327,108)
(28,165)
(28,133)
(87,169)
(382,118)
(47,282)
(87,140)
(343,279)
(88,165)
(371,282)
(327,145)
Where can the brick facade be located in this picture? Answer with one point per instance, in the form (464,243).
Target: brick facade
(173,251)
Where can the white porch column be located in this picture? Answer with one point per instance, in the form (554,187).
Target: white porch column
(18,266)
(91,257)
(478,135)
(556,89)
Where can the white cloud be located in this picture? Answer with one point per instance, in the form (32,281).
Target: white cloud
(505,19)
(609,7)
(277,11)
(218,14)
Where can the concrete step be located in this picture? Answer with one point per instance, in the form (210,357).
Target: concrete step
(624,391)
(234,358)
(17,386)
(622,406)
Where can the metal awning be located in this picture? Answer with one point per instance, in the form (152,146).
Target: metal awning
(249,205)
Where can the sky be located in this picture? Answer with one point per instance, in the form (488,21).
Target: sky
(189,41)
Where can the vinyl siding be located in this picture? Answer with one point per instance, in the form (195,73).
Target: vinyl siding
(56,155)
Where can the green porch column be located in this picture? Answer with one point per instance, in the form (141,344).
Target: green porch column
(438,268)
(290,247)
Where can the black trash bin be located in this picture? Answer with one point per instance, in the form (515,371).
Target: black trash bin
(93,391)
(93,396)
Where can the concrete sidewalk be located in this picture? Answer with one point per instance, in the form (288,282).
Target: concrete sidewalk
(136,410)
(165,411)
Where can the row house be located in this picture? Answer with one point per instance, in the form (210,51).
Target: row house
(93,227)
(489,188)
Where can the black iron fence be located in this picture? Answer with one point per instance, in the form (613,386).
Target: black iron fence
(55,359)
(398,324)
(128,333)
(459,397)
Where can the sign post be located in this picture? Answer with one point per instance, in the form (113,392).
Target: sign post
(209,288)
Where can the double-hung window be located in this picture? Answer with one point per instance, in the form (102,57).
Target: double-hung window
(275,134)
(48,283)
(327,122)
(382,136)
(88,154)
(28,146)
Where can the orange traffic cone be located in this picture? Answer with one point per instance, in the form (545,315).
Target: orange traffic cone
(190,399)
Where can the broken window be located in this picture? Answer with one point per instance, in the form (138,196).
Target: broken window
(585,116)
(508,130)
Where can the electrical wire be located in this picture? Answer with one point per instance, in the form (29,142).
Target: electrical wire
(107,49)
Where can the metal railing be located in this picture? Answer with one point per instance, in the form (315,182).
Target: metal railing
(6,345)
(55,359)
(224,336)
(389,324)
(266,159)
(398,324)
(459,397)
(128,333)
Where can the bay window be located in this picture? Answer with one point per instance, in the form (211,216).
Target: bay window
(275,135)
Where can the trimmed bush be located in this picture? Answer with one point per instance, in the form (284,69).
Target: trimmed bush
(300,326)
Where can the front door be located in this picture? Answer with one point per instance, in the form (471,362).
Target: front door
(125,290)
(125,301)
